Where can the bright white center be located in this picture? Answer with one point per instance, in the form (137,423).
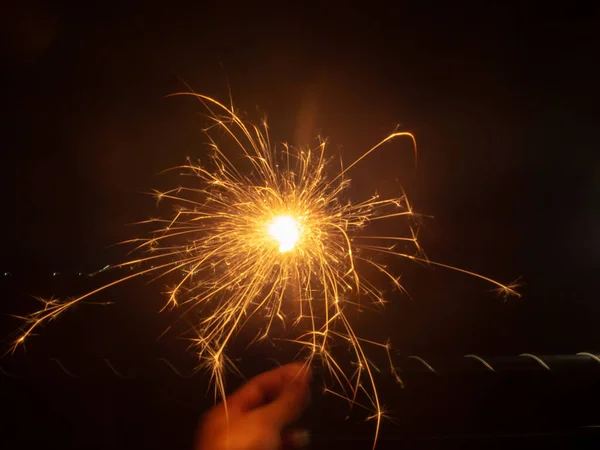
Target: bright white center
(284,229)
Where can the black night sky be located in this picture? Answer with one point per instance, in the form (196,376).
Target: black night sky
(503,101)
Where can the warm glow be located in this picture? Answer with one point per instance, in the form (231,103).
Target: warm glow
(219,251)
(284,229)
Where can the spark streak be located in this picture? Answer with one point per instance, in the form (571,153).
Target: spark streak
(246,240)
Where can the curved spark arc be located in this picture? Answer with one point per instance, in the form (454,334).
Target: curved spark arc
(233,269)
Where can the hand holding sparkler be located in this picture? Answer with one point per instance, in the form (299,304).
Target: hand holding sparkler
(253,418)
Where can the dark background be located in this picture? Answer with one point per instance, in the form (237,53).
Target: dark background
(503,101)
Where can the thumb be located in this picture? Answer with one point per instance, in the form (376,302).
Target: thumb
(289,405)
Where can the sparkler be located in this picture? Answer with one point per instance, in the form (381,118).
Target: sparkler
(247,243)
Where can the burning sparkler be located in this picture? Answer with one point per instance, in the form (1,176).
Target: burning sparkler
(246,241)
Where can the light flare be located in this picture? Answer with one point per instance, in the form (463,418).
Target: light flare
(286,231)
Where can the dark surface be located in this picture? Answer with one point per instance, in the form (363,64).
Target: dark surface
(503,102)
(145,403)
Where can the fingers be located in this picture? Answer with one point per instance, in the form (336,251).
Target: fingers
(267,386)
(289,405)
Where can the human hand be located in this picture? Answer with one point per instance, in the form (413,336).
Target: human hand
(258,412)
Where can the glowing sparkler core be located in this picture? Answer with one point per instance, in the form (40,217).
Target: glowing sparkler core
(286,231)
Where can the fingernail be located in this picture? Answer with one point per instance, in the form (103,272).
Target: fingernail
(309,375)
(306,374)
(302,378)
